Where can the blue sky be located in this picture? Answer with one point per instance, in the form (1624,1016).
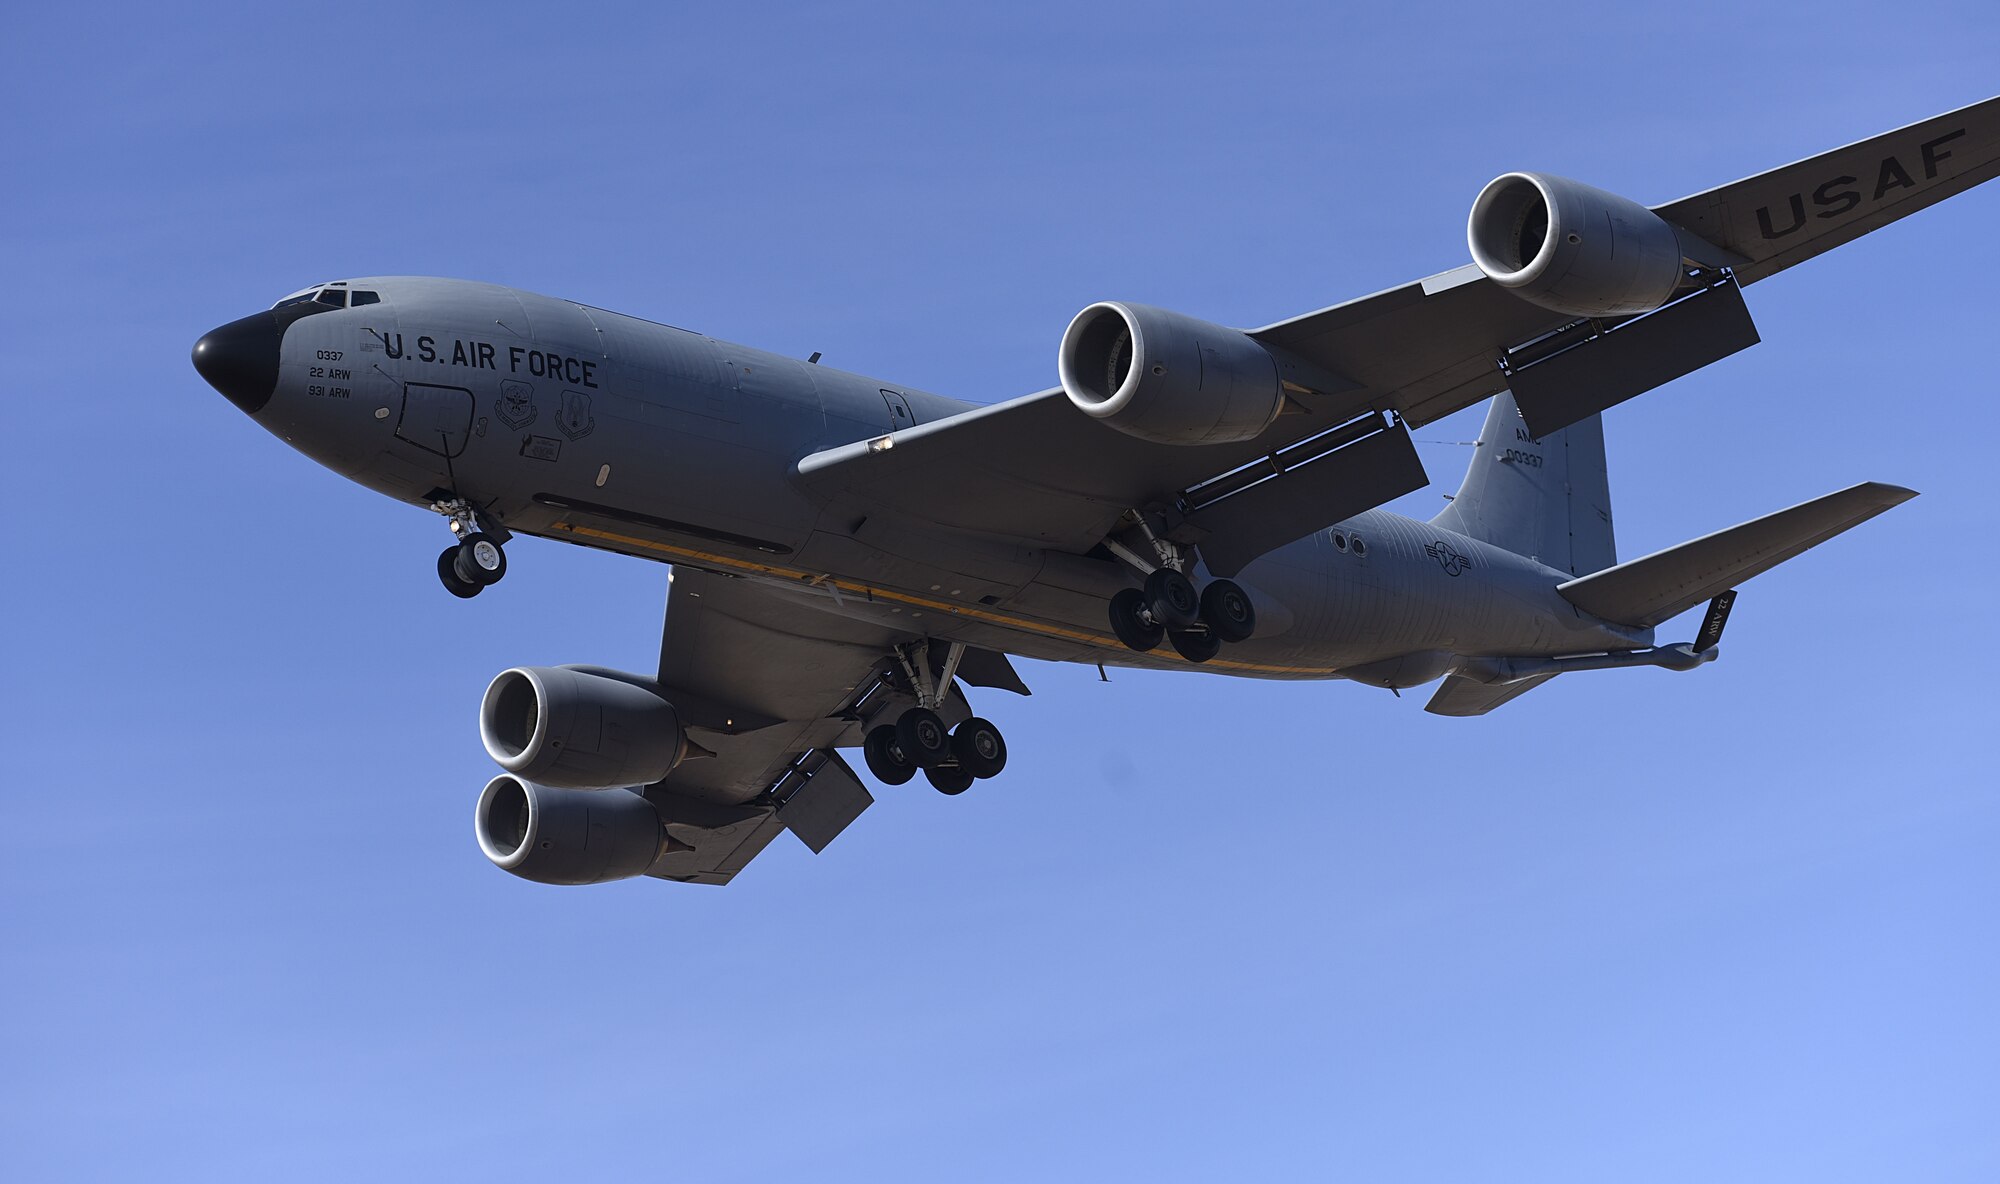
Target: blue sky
(1733,925)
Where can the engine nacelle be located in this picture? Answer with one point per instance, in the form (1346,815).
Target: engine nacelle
(567,836)
(1166,377)
(579,727)
(1571,248)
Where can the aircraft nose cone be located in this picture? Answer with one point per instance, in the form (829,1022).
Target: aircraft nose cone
(240,359)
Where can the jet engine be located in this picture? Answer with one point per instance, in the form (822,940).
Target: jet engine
(1166,377)
(580,727)
(567,836)
(1571,248)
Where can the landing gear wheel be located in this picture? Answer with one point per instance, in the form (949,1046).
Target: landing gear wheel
(1130,623)
(1227,611)
(979,748)
(923,737)
(885,757)
(480,560)
(448,576)
(949,779)
(1171,599)
(1193,645)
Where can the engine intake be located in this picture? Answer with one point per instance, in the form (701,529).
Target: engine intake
(567,836)
(1568,247)
(1166,377)
(580,727)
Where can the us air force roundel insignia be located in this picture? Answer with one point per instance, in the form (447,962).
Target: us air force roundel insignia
(1453,563)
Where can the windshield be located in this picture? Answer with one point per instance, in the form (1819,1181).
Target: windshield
(334,295)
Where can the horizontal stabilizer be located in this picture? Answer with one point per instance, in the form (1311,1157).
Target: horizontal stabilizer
(1667,583)
(1464,696)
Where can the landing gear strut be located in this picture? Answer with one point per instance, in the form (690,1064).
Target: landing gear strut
(951,758)
(476,561)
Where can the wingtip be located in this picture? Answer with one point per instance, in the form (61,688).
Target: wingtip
(1890,495)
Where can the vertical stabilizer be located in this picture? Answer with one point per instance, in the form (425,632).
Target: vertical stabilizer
(1549,499)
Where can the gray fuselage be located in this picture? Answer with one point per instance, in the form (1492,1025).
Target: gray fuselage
(568,422)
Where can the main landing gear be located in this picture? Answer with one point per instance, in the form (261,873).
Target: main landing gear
(1167,608)
(476,561)
(951,759)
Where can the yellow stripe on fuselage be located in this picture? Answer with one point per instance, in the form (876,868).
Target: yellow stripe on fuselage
(1022,624)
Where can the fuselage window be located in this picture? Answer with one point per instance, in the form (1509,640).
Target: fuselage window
(288,301)
(334,297)
(361,298)
(1339,541)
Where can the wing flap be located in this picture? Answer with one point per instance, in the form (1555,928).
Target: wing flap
(1647,591)
(1297,501)
(821,797)
(1603,369)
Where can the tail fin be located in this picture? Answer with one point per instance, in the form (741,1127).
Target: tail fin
(1549,499)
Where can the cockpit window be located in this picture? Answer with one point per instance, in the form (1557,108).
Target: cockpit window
(333,295)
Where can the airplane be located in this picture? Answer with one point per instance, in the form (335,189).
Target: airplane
(849,556)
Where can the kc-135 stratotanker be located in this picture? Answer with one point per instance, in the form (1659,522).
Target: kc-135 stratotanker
(850,555)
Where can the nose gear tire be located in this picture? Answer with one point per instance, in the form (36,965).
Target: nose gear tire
(1194,646)
(1130,623)
(1227,612)
(480,560)
(979,748)
(448,576)
(923,737)
(885,757)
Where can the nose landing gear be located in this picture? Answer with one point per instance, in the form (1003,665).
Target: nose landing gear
(476,561)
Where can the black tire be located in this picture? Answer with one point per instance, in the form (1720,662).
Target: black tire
(885,757)
(1194,645)
(1227,612)
(949,779)
(923,737)
(1130,624)
(448,576)
(979,747)
(1171,598)
(480,560)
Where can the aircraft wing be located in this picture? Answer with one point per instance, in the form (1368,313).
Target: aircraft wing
(1038,470)
(1788,215)
(769,692)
